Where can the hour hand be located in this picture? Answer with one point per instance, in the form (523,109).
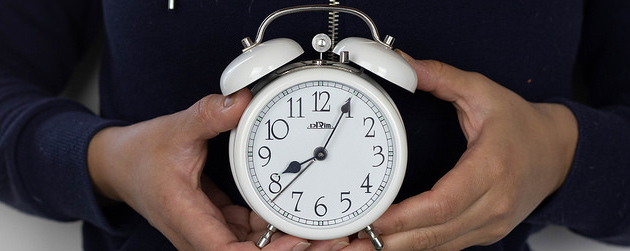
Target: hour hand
(295,167)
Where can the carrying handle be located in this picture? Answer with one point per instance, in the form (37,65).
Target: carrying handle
(248,44)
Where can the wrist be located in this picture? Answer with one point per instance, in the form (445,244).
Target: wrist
(100,163)
(564,131)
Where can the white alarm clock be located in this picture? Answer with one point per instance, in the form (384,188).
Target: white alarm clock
(321,150)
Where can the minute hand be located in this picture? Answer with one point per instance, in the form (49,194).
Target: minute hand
(345,108)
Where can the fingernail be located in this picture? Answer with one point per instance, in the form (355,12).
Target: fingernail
(228,101)
(339,245)
(301,246)
(405,56)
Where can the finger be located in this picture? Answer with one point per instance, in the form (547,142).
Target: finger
(237,218)
(482,220)
(421,238)
(287,242)
(199,223)
(259,227)
(442,80)
(456,234)
(462,242)
(279,240)
(257,223)
(473,227)
(454,193)
(361,245)
(214,114)
(326,245)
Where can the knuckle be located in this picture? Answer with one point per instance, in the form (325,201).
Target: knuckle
(435,67)
(203,110)
(443,210)
(500,232)
(480,84)
(204,114)
(500,225)
(503,209)
(477,77)
(495,234)
(399,224)
(424,239)
(504,206)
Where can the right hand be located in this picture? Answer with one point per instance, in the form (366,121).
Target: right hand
(156,168)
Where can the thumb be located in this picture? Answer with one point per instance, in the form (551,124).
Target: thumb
(445,81)
(214,114)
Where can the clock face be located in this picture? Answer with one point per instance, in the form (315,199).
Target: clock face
(320,155)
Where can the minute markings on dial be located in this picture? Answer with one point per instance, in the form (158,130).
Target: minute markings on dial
(342,145)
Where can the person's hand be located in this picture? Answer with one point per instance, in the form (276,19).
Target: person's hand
(518,153)
(156,168)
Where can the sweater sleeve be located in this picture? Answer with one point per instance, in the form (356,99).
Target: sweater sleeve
(44,138)
(595,199)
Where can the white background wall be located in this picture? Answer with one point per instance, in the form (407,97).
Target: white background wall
(21,232)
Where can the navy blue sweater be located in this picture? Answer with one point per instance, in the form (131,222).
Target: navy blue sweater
(157,62)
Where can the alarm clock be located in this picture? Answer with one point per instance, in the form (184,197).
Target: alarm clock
(321,150)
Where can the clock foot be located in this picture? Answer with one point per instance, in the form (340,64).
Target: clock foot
(266,237)
(376,240)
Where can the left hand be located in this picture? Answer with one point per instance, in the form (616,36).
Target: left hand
(518,154)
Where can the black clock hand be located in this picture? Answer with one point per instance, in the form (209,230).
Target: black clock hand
(294,166)
(296,177)
(345,108)
(319,153)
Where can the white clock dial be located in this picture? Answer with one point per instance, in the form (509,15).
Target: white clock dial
(319,156)
(354,166)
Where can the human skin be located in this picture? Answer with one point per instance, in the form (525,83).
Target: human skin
(156,167)
(518,153)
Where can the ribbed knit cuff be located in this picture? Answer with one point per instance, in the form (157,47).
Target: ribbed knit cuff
(593,199)
(52,163)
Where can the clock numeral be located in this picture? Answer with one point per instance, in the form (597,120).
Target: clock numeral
(279,129)
(346,200)
(320,207)
(366,184)
(275,186)
(299,104)
(299,197)
(378,153)
(264,153)
(321,96)
(349,110)
(369,121)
